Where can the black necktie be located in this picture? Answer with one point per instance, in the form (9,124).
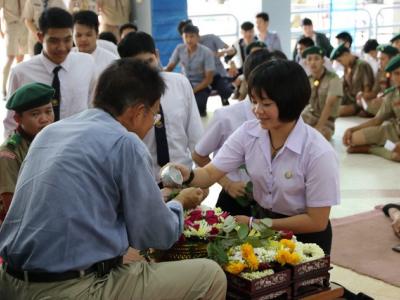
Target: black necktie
(57,95)
(45,4)
(161,141)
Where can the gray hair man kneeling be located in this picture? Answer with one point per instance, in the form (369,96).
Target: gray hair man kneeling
(86,193)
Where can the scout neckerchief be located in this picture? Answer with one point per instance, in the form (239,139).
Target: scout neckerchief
(317,83)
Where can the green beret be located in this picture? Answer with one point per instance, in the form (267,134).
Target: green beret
(337,52)
(30,96)
(255,44)
(393,64)
(396,37)
(388,49)
(313,50)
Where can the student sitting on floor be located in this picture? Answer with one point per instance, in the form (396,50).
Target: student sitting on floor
(371,136)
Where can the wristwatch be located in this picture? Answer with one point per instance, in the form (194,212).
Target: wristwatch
(189,180)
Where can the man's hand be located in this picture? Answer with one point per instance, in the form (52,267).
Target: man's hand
(347,137)
(190,197)
(236,188)
(168,193)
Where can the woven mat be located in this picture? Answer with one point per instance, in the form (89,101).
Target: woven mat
(363,244)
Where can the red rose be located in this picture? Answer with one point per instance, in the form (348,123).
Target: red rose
(195,215)
(214,231)
(224,215)
(196,226)
(182,238)
(212,220)
(286,234)
(210,213)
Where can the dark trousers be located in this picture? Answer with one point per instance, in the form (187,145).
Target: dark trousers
(223,86)
(321,238)
(201,100)
(230,205)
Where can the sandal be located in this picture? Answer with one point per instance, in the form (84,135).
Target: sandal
(386,208)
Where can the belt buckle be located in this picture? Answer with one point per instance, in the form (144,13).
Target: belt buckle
(101,269)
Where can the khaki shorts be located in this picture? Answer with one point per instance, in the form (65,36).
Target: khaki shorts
(378,135)
(329,128)
(16,39)
(187,279)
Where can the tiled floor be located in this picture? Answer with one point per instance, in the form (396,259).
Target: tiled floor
(366,181)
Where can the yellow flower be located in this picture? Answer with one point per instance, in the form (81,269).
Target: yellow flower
(282,257)
(252,262)
(235,267)
(294,259)
(247,250)
(288,244)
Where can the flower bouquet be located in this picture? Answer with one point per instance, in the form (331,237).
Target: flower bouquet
(201,225)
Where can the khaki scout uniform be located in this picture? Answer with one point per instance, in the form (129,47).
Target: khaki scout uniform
(32,11)
(77,5)
(360,75)
(113,14)
(390,112)
(16,33)
(330,85)
(382,83)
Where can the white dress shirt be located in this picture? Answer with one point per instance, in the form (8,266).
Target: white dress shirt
(224,122)
(102,58)
(109,46)
(77,79)
(182,122)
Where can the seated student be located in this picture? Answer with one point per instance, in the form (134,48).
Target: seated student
(197,63)
(392,210)
(370,54)
(174,137)
(33,111)
(220,82)
(371,136)
(395,41)
(326,94)
(294,170)
(382,79)
(86,193)
(303,44)
(224,122)
(126,28)
(270,38)
(358,77)
(344,38)
(86,31)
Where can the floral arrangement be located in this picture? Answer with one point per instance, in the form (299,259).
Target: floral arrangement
(257,252)
(203,223)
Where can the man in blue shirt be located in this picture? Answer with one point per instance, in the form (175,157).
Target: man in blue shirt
(86,193)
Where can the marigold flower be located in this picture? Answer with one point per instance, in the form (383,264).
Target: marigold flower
(282,257)
(288,244)
(247,250)
(252,262)
(294,259)
(235,267)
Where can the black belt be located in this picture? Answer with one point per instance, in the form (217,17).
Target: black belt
(101,268)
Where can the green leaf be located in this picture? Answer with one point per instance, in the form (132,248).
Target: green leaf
(243,231)
(217,253)
(229,224)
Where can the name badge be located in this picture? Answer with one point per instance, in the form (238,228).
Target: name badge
(288,174)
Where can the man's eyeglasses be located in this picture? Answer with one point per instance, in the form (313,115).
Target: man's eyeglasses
(156,118)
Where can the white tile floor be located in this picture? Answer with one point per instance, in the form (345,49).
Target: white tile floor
(366,181)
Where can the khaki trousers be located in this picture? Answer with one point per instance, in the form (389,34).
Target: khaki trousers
(187,279)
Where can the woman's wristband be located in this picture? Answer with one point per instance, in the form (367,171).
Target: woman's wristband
(190,179)
(251,222)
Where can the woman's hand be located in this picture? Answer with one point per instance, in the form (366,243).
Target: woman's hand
(242,219)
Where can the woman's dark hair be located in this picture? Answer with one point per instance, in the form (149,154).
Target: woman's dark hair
(127,82)
(55,17)
(135,43)
(255,59)
(108,36)
(87,18)
(285,83)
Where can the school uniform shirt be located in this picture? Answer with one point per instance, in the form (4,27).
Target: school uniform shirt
(304,173)
(224,122)
(77,79)
(109,46)
(182,122)
(102,59)
(214,43)
(272,41)
(85,193)
(196,65)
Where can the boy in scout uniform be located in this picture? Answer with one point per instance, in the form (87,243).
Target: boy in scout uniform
(395,41)
(15,34)
(32,11)
(33,111)
(370,136)
(382,79)
(358,77)
(326,93)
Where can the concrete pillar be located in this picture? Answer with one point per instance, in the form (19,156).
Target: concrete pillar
(279,21)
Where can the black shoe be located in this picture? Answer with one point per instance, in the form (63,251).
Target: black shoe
(225,102)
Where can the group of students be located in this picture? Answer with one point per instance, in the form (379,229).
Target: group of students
(88,188)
